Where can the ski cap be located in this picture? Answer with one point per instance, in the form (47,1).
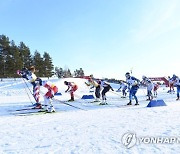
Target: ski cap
(65,82)
(127,75)
(143,77)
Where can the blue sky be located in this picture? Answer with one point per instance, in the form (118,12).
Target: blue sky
(106,38)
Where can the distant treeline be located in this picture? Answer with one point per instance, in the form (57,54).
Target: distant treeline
(14,57)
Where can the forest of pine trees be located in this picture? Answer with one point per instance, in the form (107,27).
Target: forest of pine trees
(13,57)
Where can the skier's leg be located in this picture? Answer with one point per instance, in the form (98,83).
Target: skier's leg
(97,93)
(178,91)
(134,95)
(130,96)
(46,103)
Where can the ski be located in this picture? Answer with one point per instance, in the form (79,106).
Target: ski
(24,109)
(127,106)
(29,113)
(33,113)
(66,103)
(28,108)
(113,105)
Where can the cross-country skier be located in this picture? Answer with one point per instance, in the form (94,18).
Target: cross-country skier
(171,85)
(106,87)
(156,86)
(123,86)
(72,87)
(133,85)
(176,80)
(52,90)
(93,83)
(29,74)
(146,81)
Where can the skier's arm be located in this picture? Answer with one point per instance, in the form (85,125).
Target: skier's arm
(123,81)
(67,89)
(23,73)
(87,84)
(111,87)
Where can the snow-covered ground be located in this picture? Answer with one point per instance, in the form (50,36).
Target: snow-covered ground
(94,130)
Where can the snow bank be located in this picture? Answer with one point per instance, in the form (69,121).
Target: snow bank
(99,129)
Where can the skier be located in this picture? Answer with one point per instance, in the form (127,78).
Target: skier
(176,80)
(52,90)
(156,86)
(106,87)
(29,74)
(133,85)
(92,83)
(150,86)
(123,86)
(171,85)
(72,87)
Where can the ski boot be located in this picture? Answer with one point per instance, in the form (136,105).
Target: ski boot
(103,103)
(51,109)
(136,103)
(44,109)
(129,103)
(38,106)
(71,100)
(177,98)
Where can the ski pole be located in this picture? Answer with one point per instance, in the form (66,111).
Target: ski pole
(27,93)
(28,87)
(115,93)
(63,102)
(29,90)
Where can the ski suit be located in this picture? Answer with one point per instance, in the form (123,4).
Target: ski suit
(32,78)
(156,86)
(150,87)
(133,85)
(123,86)
(177,83)
(52,90)
(92,83)
(72,87)
(106,87)
(171,85)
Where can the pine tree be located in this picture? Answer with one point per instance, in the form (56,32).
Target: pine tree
(16,60)
(48,65)
(14,57)
(59,72)
(25,55)
(79,73)
(39,64)
(4,49)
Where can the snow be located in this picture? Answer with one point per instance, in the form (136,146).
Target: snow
(95,130)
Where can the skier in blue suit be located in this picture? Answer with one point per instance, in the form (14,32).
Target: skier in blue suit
(133,85)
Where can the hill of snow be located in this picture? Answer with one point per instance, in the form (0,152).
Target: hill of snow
(94,130)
